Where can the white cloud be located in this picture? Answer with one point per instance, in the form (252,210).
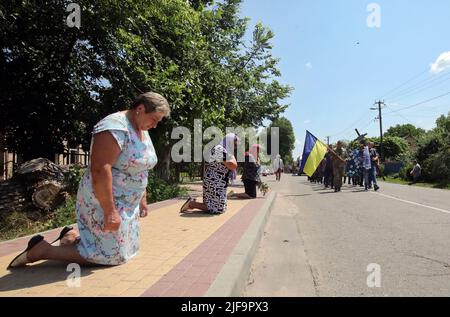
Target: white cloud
(307,121)
(298,149)
(308,66)
(442,63)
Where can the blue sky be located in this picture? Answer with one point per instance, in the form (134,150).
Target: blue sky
(337,80)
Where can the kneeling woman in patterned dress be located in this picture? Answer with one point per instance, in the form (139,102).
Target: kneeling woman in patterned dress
(215,180)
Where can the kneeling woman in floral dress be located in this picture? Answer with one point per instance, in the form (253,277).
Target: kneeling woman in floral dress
(111,196)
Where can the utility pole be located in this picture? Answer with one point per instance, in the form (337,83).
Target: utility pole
(328,140)
(380,104)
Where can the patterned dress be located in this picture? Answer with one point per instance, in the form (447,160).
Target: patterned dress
(352,167)
(130,174)
(215,181)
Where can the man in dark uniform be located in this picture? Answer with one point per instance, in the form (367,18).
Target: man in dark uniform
(338,156)
(375,160)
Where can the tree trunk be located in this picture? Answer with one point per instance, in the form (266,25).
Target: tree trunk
(163,167)
(38,170)
(47,195)
(38,182)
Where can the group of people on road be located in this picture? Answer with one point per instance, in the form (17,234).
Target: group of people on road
(358,167)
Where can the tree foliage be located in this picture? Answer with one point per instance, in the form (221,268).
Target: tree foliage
(57,82)
(433,151)
(286,138)
(406,131)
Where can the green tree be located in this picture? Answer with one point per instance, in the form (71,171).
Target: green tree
(62,80)
(47,74)
(435,140)
(406,131)
(396,148)
(286,138)
(433,152)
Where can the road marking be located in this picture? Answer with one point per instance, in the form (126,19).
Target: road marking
(413,203)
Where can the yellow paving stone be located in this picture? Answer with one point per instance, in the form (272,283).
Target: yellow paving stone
(27,294)
(135,276)
(118,289)
(147,281)
(166,238)
(173,261)
(49,291)
(93,283)
(134,292)
(106,281)
(72,291)
(10,293)
(30,290)
(115,292)
(92,291)
(182,253)
(163,270)
(150,264)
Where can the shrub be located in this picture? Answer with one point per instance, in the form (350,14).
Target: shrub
(429,145)
(404,172)
(73,177)
(436,167)
(158,189)
(63,215)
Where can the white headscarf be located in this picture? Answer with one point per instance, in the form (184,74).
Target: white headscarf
(228,142)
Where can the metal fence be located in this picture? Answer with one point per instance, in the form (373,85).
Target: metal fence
(392,167)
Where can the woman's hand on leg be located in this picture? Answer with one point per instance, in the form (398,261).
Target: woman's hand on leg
(112,221)
(143,209)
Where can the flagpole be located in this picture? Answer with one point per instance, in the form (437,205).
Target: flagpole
(328,147)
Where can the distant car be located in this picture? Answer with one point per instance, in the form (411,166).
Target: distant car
(266,171)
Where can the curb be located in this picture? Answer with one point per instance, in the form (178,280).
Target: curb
(231,280)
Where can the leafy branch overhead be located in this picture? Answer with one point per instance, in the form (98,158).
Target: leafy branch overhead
(60,81)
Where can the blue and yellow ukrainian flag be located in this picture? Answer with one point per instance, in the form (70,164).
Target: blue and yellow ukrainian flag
(313,153)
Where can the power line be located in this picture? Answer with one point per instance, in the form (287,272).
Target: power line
(365,126)
(429,78)
(352,126)
(403,84)
(400,115)
(419,88)
(421,103)
(424,109)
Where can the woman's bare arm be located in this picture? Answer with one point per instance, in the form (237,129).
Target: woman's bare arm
(105,151)
(231,164)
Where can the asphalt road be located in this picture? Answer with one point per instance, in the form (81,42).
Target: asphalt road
(321,243)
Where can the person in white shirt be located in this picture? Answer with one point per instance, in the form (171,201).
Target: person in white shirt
(416,172)
(278,167)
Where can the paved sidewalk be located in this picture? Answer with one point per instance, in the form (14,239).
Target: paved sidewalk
(180,255)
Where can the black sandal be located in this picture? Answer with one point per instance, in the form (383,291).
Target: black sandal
(185,206)
(22,259)
(63,233)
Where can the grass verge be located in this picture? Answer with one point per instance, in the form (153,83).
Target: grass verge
(419,184)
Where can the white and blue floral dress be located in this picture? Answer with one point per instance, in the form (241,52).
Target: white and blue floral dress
(130,175)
